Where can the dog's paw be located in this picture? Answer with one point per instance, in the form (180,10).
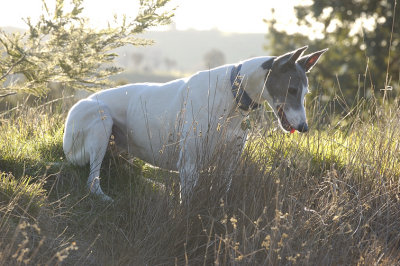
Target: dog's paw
(106,198)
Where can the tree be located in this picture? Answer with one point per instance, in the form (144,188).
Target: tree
(363,37)
(169,63)
(214,58)
(62,48)
(137,59)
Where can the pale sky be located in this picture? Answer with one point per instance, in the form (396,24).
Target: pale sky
(224,15)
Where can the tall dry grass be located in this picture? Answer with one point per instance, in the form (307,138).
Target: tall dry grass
(327,197)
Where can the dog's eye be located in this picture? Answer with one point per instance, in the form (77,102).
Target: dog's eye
(293,91)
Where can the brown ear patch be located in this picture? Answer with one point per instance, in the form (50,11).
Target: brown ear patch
(311,61)
(308,61)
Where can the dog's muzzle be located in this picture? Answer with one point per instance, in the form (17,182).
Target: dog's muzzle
(303,127)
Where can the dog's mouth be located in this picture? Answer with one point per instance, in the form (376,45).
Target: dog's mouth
(284,122)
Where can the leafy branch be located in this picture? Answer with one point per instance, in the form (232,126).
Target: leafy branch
(62,48)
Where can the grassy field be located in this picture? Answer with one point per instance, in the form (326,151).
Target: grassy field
(327,197)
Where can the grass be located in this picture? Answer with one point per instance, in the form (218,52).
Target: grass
(327,197)
(31,140)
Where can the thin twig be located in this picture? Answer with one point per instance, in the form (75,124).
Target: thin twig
(55,100)
(8,94)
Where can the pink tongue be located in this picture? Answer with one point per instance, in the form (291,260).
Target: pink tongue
(292,131)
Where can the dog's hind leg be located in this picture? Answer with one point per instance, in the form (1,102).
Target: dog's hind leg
(93,183)
(99,132)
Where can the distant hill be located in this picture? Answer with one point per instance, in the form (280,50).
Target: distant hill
(11,29)
(184,51)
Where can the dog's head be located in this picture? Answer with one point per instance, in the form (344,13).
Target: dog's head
(286,85)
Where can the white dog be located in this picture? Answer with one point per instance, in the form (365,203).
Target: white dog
(171,125)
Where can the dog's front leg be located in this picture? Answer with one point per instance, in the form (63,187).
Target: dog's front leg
(188,174)
(238,144)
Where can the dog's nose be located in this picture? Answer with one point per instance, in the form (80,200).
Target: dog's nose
(303,127)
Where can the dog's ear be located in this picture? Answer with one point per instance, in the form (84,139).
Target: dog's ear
(296,54)
(309,61)
(287,60)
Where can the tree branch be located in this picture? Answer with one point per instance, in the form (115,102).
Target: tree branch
(11,68)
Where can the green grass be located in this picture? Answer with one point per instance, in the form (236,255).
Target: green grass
(22,194)
(31,141)
(327,197)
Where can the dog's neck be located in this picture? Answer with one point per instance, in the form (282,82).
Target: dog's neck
(242,98)
(253,73)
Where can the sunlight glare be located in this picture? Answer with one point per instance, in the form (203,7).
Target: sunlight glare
(223,15)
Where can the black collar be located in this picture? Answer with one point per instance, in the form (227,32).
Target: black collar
(243,100)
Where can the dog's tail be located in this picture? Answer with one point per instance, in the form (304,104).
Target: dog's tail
(87,132)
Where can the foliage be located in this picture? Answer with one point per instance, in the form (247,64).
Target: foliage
(62,47)
(363,38)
